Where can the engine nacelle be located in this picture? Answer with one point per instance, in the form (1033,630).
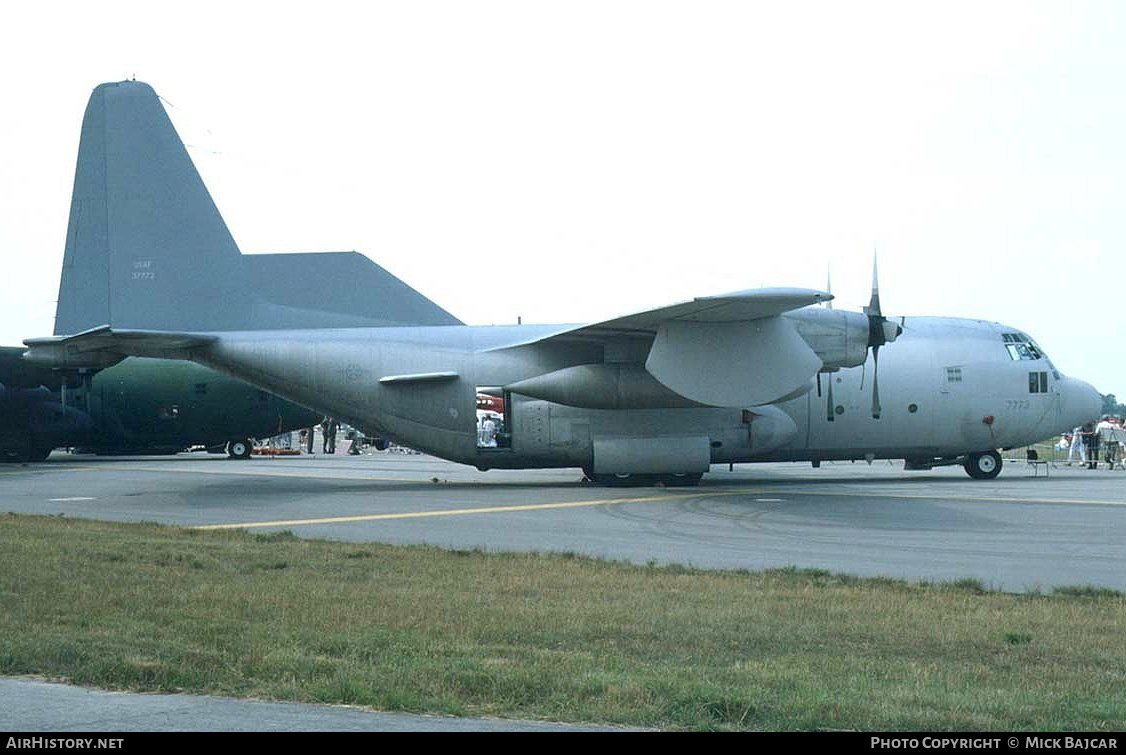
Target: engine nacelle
(839,338)
(601,386)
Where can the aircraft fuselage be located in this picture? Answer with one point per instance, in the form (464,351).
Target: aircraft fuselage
(948,387)
(151,269)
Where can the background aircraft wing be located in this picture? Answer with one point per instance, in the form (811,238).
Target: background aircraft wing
(105,346)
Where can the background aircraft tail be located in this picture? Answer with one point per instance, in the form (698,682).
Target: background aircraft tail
(146,246)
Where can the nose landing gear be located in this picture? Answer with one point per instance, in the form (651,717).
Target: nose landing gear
(984,465)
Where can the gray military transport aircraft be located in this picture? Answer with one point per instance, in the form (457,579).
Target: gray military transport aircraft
(758,375)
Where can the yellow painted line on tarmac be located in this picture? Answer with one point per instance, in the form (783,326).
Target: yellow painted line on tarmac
(413,478)
(320,473)
(641,499)
(465,512)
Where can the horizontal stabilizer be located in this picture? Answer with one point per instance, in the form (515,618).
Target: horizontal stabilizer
(346,284)
(105,346)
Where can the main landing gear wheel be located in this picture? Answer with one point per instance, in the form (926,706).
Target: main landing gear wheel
(240,449)
(683,480)
(983,466)
(39,453)
(621,480)
(686,479)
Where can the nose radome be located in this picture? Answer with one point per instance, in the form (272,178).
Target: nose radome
(1081,402)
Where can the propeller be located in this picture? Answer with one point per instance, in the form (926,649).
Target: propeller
(880,332)
(829,401)
(828,305)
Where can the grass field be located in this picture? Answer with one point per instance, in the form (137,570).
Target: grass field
(549,636)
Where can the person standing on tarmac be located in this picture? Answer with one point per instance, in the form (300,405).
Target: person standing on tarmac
(329,426)
(1091,442)
(1076,449)
(1107,439)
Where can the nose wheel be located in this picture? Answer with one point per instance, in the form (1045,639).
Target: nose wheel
(983,466)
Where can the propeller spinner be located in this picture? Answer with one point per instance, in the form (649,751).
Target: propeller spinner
(880,331)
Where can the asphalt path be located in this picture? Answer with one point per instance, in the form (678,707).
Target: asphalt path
(35,705)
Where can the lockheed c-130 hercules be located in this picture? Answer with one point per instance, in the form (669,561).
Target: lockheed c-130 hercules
(758,375)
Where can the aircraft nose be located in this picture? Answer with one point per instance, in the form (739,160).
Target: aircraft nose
(1081,402)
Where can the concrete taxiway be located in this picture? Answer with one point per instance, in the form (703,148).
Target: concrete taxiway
(1019,532)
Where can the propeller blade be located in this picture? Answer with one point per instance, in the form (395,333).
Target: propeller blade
(874,305)
(829,404)
(880,331)
(829,287)
(876,409)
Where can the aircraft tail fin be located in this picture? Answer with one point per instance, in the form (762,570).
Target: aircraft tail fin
(145,243)
(146,247)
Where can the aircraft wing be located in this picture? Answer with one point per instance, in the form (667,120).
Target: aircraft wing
(730,350)
(105,346)
(739,306)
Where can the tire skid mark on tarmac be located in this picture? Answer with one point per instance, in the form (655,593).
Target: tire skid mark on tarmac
(460,512)
(759,521)
(686,502)
(732,514)
(770,488)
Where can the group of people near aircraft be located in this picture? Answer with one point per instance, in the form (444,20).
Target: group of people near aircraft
(355,441)
(1085,441)
(329,427)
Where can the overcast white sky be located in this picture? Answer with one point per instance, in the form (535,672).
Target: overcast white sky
(573,161)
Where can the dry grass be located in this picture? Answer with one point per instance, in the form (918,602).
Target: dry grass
(552,636)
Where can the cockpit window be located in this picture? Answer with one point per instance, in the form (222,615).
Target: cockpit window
(1021,347)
